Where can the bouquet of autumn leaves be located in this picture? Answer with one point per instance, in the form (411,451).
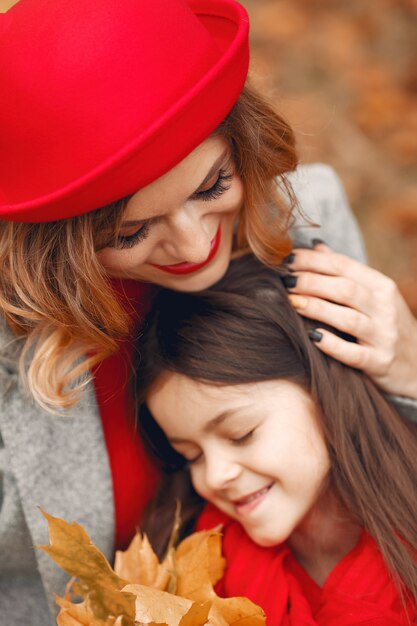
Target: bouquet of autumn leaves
(141,590)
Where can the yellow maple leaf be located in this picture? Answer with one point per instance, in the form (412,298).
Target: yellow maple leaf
(81,614)
(139,564)
(153,605)
(73,550)
(200,565)
(117,599)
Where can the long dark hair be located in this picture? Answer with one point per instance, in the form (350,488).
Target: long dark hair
(244,330)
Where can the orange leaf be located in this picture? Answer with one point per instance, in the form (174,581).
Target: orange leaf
(139,564)
(153,605)
(81,614)
(74,551)
(199,565)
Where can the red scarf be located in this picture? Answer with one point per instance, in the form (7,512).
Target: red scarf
(133,474)
(358,591)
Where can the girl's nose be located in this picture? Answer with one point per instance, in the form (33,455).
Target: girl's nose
(189,239)
(221,472)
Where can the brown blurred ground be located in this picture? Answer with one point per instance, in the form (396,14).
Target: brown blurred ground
(344,73)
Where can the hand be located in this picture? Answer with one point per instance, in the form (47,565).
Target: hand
(358,300)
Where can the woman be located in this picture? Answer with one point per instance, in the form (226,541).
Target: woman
(118,170)
(312,471)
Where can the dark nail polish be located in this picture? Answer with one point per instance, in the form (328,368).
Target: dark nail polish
(290,258)
(315,335)
(317,242)
(289,281)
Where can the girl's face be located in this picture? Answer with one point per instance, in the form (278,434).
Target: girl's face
(177,232)
(254,450)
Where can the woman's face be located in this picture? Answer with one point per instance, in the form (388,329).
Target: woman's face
(177,232)
(254,450)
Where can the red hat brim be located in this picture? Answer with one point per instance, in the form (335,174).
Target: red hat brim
(158,145)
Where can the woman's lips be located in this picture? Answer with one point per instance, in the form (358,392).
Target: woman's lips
(247,504)
(188,268)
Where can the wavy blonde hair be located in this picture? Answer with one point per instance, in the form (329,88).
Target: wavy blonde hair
(55,293)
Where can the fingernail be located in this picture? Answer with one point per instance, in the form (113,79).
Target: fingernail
(317,242)
(289,281)
(290,258)
(298,302)
(315,335)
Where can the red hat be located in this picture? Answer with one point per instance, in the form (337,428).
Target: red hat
(101,97)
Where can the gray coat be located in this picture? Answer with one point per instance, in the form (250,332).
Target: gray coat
(61,464)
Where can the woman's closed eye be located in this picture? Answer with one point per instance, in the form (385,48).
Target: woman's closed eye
(222,184)
(128,241)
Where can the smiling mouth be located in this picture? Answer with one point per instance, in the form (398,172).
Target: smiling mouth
(188,268)
(251,501)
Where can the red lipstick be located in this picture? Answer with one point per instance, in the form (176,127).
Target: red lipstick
(189,268)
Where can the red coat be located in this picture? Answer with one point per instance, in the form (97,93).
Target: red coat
(358,591)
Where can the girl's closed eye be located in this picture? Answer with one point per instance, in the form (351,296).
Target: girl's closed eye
(190,453)
(193,460)
(242,439)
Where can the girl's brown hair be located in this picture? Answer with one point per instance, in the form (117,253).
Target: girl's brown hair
(243,330)
(54,292)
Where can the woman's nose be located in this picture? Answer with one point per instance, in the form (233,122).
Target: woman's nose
(189,239)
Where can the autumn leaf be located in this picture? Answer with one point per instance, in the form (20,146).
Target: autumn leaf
(200,565)
(162,607)
(117,599)
(139,563)
(199,562)
(81,614)
(72,549)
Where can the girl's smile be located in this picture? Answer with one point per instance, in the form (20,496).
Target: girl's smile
(254,450)
(248,503)
(178,231)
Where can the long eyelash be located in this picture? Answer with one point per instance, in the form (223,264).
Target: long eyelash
(128,241)
(222,184)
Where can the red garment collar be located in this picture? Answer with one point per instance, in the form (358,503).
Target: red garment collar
(358,591)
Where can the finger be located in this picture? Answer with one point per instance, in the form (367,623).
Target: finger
(321,260)
(336,289)
(342,318)
(349,353)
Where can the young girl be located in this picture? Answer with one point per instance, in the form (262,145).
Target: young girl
(309,467)
(133,152)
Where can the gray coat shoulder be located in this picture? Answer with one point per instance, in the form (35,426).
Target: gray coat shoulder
(324,211)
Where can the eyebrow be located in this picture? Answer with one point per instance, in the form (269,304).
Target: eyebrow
(216,165)
(215,422)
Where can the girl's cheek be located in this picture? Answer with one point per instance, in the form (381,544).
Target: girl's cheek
(197,478)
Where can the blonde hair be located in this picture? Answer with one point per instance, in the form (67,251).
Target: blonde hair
(54,292)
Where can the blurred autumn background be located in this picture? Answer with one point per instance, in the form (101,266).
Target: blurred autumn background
(344,73)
